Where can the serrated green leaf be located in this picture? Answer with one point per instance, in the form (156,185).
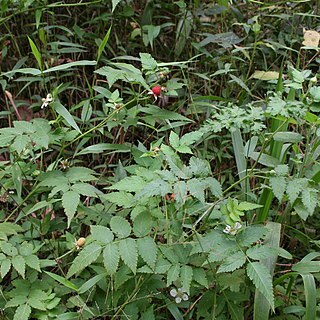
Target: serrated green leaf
(190,138)
(309,199)
(293,190)
(199,275)
(245,206)
(251,234)
(86,256)
(173,274)
(5,267)
(162,266)
(10,228)
(148,251)
(129,253)
(186,275)
(121,198)
(111,257)
(142,224)
(33,262)
(233,262)
(120,226)
(196,188)
(85,189)
(70,202)
(278,185)
(82,174)
(174,140)
(19,264)
(22,312)
(147,61)
(129,184)
(20,143)
(261,278)
(101,234)
(259,252)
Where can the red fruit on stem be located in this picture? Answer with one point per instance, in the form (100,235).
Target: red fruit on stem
(156,90)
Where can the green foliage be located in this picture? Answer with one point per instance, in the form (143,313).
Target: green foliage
(164,165)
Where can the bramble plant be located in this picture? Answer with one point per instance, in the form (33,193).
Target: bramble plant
(159,160)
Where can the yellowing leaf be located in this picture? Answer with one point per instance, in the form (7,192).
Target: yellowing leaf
(265,75)
(311,38)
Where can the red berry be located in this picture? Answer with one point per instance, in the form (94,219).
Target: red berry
(156,90)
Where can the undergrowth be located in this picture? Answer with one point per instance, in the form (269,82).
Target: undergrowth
(159,160)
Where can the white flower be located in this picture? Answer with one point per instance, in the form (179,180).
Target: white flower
(46,101)
(232,230)
(179,295)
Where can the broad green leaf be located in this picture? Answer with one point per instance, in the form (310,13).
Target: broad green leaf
(311,296)
(20,143)
(19,264)
(291,137)
(148,251)
(22,312)
(233,262)
(121,198)
(75,174)
(65,114)
(129,184)
(293,189)
(105,39)
(86,256)
(101,234)
(91,282)
(85,189)
(186,274)
(173,274)
(9,249)
(190,138)
(111,257)
(129,253)
(36,52)
(261,278)
(265,159)
(304,267)
(33,262)
(70,202)
(251,234)
(10,228)
(120,226)
(142,224)
(62,280)
(196,188)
